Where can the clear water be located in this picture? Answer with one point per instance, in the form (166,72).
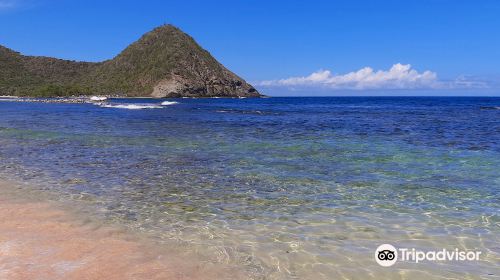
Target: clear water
(285,188)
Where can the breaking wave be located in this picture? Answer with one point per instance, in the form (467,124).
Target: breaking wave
(131,106)
(98,98)
(167,103)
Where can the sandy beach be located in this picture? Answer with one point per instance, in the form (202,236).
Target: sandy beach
(39,240)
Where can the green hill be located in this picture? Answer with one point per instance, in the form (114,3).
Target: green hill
(165,62)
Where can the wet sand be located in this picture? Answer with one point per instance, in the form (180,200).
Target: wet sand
(39,240)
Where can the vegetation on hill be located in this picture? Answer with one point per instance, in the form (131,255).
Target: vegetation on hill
(165,62)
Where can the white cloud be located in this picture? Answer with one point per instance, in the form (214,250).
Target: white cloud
(399,76)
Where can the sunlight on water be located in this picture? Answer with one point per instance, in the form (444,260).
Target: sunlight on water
(283,188)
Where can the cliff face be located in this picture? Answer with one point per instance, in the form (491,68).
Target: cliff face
(165,62)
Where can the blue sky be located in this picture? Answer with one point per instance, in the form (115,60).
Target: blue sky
(288,47)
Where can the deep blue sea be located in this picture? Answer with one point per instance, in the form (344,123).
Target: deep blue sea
(285,188)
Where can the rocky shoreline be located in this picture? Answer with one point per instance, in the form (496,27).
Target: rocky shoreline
(75,100)
(82,99)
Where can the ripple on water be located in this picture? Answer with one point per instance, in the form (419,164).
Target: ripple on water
(285,195)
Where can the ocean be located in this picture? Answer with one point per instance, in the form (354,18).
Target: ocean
(283,188)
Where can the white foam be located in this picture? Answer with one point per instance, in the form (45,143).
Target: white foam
(98,98)
(167,103)
(131,106)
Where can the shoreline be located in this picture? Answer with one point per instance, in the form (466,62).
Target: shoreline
(87,99)
(42,240)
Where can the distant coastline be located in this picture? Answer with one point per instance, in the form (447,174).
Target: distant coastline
(165,62)
(88,99)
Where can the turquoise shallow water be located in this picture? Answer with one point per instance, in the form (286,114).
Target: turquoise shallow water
(285,188)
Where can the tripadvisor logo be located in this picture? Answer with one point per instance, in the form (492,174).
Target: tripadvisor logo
(387,255)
